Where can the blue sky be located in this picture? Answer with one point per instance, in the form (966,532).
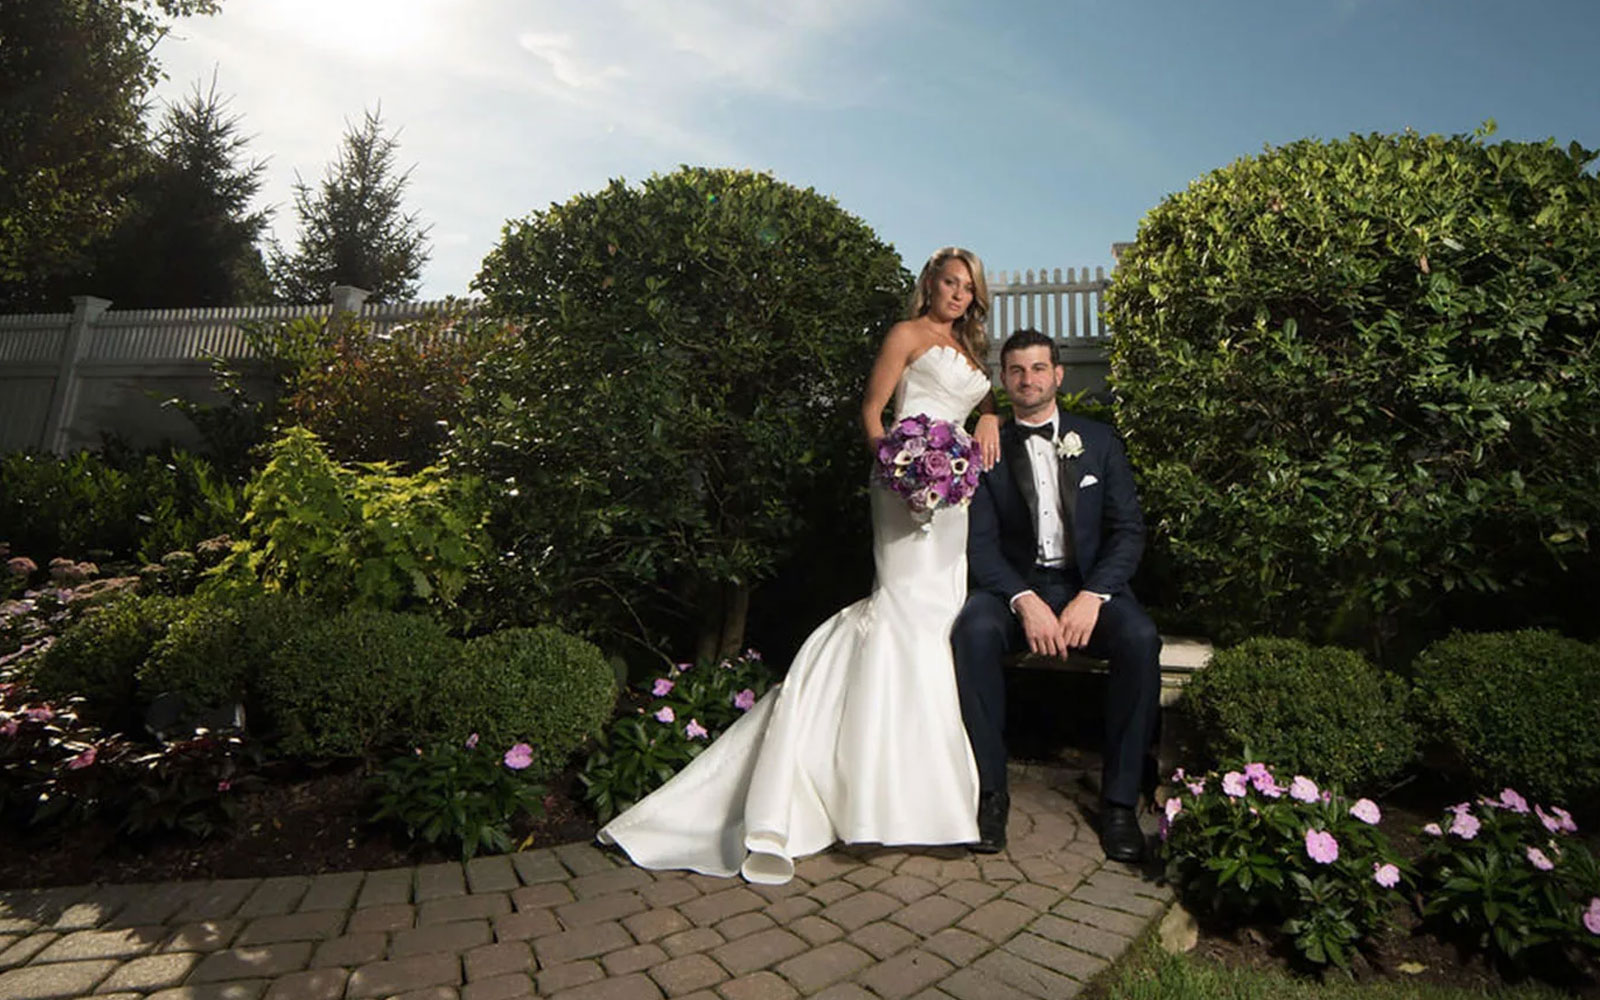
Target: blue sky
(1036,133)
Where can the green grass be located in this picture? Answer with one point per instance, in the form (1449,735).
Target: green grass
(1149,973)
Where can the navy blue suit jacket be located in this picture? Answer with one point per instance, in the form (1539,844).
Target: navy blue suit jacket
(1106,524)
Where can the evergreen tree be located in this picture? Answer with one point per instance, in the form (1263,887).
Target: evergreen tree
(74,77)
(190,237)
(352,228)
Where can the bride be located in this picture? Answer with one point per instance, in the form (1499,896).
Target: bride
(863,741)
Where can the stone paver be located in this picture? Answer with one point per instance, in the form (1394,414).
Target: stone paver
(579,923)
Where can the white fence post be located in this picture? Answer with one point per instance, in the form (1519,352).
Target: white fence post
(86,311)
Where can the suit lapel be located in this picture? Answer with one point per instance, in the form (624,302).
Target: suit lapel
(1014,450)
(1067,480)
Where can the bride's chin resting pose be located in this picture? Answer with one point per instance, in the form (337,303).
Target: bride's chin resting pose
(863,741)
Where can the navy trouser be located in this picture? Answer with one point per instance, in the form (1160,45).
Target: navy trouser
(986,632)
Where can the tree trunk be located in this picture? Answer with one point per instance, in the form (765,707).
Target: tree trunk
(722,624)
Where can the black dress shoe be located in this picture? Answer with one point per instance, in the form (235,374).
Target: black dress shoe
(993,807)
(1120,836)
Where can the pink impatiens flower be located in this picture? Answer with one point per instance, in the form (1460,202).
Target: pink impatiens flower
(663,687)
(1537,859)
(1387,876)
(1233,784)
(10,728)
(44,713)
(83,759)
(1465,825)
(1196,787)
(1509,799)
(519,757)
(472,742)
(666,714)
(1433,830)
(1173,807)
(745,700)
(1564,823)
(694,730)
(224,785)
(1366,811)
(1303,789)
(1321,847)
(1591,916)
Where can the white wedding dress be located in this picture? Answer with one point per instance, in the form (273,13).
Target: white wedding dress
(863,741)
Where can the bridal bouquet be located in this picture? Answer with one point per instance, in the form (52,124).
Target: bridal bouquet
(929,463)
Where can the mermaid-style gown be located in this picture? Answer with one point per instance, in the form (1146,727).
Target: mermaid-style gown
(863,741)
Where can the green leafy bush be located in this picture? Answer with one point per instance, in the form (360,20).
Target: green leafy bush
(465,794)
(115,504)
(1517,708)
(538,686)
(1356,378)
(393,398)
(359,683)
(99,655)
(218,647)
(1512,881)
(687,708)
(1243,845)
(361,537)
(1321,711)
(683,391)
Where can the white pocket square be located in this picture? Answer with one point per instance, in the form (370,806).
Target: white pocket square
(1088,480)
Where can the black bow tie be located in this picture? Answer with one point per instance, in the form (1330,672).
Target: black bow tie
(1046,431)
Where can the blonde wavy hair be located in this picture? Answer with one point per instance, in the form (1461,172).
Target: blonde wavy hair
(969,330)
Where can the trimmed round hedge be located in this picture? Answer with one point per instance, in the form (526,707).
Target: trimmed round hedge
(1321,711)
(539,686)
(358,684)
(1516,708)
(1356,378)
(98,657)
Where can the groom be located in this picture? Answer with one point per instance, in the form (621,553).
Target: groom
(1055,533)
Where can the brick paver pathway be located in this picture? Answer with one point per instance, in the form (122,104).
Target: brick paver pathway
(578,923)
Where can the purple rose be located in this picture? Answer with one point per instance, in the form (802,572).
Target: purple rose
(910,427)
(941,435)
(935,465)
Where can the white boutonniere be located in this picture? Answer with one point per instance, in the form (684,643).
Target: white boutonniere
(1069,445)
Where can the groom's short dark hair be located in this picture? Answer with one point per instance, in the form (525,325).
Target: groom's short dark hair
(1029,337)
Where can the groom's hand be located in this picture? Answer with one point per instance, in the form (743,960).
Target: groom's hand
(1078,619)
(1039,625)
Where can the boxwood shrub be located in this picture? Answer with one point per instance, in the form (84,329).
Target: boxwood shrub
(99,655)
(1516,708)
(1325,712)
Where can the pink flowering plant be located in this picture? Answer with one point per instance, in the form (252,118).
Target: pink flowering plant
(928,463)
(679,712)
(1248,844)
(470,794)
(1511,877)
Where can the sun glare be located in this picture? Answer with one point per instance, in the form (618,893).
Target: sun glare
(370,28)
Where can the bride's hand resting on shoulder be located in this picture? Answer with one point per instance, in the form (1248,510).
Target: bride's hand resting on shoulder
(987,435)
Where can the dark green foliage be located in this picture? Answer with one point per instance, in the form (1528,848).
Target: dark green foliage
(118,505)
(357,684)
(190,786)
(461,794)
(74,76)
(219,646)
(683,397)
(98,657)
(1357,380)
(1324,712)
(352,228)
(1517,708)
(392,398)
(538,686)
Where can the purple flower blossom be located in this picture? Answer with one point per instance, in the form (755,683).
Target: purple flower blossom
(751,654)
(472,742)
(1233,784)
(83,760)
(694,730)
(1511,800)
(1387,876)
(1465,825)
(666,714)
(1564,823)
(745,700)
(1196,787)
(519,757)
(1321,847)
(1256,770)
(1366,811)
(224,785)
(941,434)
(1537,859)
(1173,807)
(1303,789)
(1433,830)
(681,668)
(663,687)
(1591,916)
(1179,775)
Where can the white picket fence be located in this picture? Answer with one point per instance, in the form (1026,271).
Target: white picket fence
(66,377)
